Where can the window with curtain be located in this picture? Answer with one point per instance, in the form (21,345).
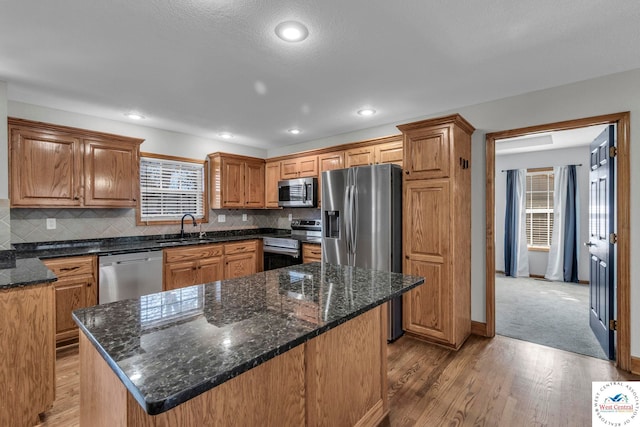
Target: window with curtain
(539,207)
(171,188)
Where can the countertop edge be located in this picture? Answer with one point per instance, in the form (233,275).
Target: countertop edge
(156,407)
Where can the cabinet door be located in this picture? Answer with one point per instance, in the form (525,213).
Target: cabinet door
(232,183)
(390,152)
(426,233)
(289,169)
(272,176)
(359,157)
(211,269)
(328,162)
(180,274)
(308,166)
(111,173)
(254,185)
(46,169)
(239,265)
(426,153)
(72,293)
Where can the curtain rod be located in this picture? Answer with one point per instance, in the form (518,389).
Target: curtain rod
(551,167)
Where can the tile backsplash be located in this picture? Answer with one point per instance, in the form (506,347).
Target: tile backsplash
(5,225)
(30,225)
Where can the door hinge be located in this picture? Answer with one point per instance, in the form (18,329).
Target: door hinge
(613,325)
(613,238)
(613,151)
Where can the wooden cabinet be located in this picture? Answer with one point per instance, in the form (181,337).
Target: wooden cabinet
(389,152)
(236,181)
(299,167)
(361,156)
(27,355)
(58,166)
(242,258)
(437,229)
(328,162)
(76,288)
(311,252)
(385,152)
(271,178)
(194,265)
(188,266)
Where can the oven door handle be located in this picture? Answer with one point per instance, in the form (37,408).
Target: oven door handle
(282,251)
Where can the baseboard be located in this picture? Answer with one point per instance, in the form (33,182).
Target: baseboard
(635,365)
(479,328)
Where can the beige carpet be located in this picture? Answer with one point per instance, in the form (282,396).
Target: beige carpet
(555,314)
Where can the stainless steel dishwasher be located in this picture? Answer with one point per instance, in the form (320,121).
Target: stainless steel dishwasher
(129,275)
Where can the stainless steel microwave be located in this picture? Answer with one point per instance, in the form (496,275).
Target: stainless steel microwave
(298,193)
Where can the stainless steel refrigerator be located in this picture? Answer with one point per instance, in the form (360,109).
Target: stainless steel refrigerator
(362,223)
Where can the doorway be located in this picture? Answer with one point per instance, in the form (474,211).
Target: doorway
(623,356)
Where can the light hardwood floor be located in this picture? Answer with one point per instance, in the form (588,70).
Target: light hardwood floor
(488,382)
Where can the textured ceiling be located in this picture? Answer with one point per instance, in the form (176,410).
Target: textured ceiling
(207,66)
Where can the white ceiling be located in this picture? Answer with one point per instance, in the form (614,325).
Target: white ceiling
(207,66)
(548,140)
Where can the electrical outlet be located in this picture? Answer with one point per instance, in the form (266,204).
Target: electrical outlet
(222,218)
(51,223)
(290,217)
(244,217)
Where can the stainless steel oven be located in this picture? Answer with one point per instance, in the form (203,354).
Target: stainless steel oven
(286,250)
(298,193)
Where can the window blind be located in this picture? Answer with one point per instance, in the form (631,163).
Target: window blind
(539,208)
(170,189)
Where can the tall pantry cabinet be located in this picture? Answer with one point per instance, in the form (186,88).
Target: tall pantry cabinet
(437,228)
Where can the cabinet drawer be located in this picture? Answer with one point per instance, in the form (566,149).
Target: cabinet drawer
(241,247)
(192,253)
(311,252)
(67,267)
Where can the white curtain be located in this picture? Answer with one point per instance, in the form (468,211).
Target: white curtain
(521,224)
(555,264)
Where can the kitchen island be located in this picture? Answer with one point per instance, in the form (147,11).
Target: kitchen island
(302,345)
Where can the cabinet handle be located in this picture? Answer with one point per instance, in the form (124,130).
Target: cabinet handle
(406,257)
(135,200)
(76,198)
(406,172)
(88,285)
(69,268)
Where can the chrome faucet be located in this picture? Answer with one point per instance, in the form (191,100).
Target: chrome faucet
(195,224)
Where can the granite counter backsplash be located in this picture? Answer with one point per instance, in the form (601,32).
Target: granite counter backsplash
(172,346)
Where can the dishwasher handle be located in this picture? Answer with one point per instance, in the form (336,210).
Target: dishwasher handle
(135,261)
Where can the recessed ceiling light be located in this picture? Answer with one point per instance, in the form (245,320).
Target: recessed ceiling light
(225,135)
(292,31)
(294,131)
(366,112)
(134,116)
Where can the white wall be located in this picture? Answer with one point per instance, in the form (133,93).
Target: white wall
(537,159)
(603,95)
(156,140)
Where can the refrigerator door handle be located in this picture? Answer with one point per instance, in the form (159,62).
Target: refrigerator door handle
(354,220)
(347,226)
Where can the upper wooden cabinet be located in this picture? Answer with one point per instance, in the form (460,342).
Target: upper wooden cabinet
(299,167)
(271,178)
(428,149)
(328,162)
(236,181)
(387,152)
(58,166)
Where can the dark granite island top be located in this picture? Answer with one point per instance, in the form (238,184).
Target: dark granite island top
(169,347)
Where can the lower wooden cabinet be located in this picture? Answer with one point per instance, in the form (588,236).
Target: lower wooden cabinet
(76,288)
(311,252)
(188,266)
(192,266)
(241,258)
(27,354)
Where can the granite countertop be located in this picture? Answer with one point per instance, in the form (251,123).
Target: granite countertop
(29,271)
(122,245)
(172,346)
